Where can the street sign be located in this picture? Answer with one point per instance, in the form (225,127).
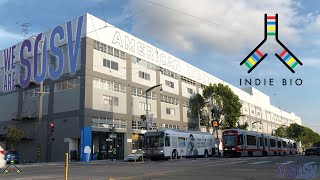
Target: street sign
(108,140)
(112,136)
(143,121)
(150,120)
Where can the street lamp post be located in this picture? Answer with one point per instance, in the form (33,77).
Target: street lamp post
(146,92)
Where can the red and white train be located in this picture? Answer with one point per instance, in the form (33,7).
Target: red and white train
(239,142)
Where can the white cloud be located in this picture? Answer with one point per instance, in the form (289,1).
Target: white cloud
(236,25)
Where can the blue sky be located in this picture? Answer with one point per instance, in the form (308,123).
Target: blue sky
(210,34)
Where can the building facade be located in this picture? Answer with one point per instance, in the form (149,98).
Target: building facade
(102,86)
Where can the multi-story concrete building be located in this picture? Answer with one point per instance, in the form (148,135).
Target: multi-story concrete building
(105,90)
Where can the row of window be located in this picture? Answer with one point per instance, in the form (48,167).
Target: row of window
(168,73)
(109,85)
(138,92)
(67,84)
(108,49)
(143,63)
(274,117)
(108,123)
(169,100)
(34,92)
(251,140)
(188,80)
(137,125)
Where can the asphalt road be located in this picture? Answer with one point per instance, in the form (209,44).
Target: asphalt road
(244,168)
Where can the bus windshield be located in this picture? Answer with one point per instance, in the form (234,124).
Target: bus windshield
(153,140)
(229,140)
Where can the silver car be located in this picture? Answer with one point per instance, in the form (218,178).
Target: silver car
(135,156)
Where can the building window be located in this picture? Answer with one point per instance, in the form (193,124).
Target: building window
(108,85)
(110,50)
(169,100)
(190,91)
(169,84)
(110,64)
(143,63)
(67,84)
(187,80)
(138,92)
(110,100)
(170,111)
(185,104)
(168,73)
(116,53)
(144,75)
(142,106)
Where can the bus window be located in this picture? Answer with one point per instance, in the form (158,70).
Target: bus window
(273,143)
(294,145)
(284,144)
(240,139)
(261,141)
(266,141)
(167,141)
(279,144)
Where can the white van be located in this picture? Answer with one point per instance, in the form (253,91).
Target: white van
(2,158)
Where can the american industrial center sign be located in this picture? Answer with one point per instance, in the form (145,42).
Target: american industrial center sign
(28,56)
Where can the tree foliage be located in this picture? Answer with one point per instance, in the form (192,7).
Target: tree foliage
(281,132)
(14,136)
(298,133)
(227,103)
(197,103)
(244,126)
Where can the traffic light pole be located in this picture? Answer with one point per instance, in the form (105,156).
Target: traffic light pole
(219,141)
(39,120)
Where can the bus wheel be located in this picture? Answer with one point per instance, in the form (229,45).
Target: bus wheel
(206,153)
(174,154)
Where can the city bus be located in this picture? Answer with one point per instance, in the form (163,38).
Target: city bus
(175,143)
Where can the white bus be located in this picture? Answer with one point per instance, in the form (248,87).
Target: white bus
(175,143)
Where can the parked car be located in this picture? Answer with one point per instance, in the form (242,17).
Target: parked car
(2,157)
(312,151)
(137,155)
(12,155)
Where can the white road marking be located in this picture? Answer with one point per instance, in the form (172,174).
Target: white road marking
(288,162)
(259,162)
(309,163)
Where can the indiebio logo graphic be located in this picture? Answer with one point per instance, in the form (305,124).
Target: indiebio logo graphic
(286,56)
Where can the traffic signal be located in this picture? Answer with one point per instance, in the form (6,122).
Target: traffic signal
(51,126)
(215,123)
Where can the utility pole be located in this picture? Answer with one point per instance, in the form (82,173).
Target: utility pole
(146,92)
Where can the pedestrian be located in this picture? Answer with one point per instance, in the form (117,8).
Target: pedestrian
(114,152)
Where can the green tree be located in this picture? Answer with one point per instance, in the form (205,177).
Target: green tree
(244,126)
(197,103)
(295,131)
(14,136)
(281,132)
(227,102)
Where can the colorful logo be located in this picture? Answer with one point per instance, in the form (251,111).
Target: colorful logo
(256,56)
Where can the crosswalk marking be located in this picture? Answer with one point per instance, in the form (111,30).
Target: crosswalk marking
(259,162)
